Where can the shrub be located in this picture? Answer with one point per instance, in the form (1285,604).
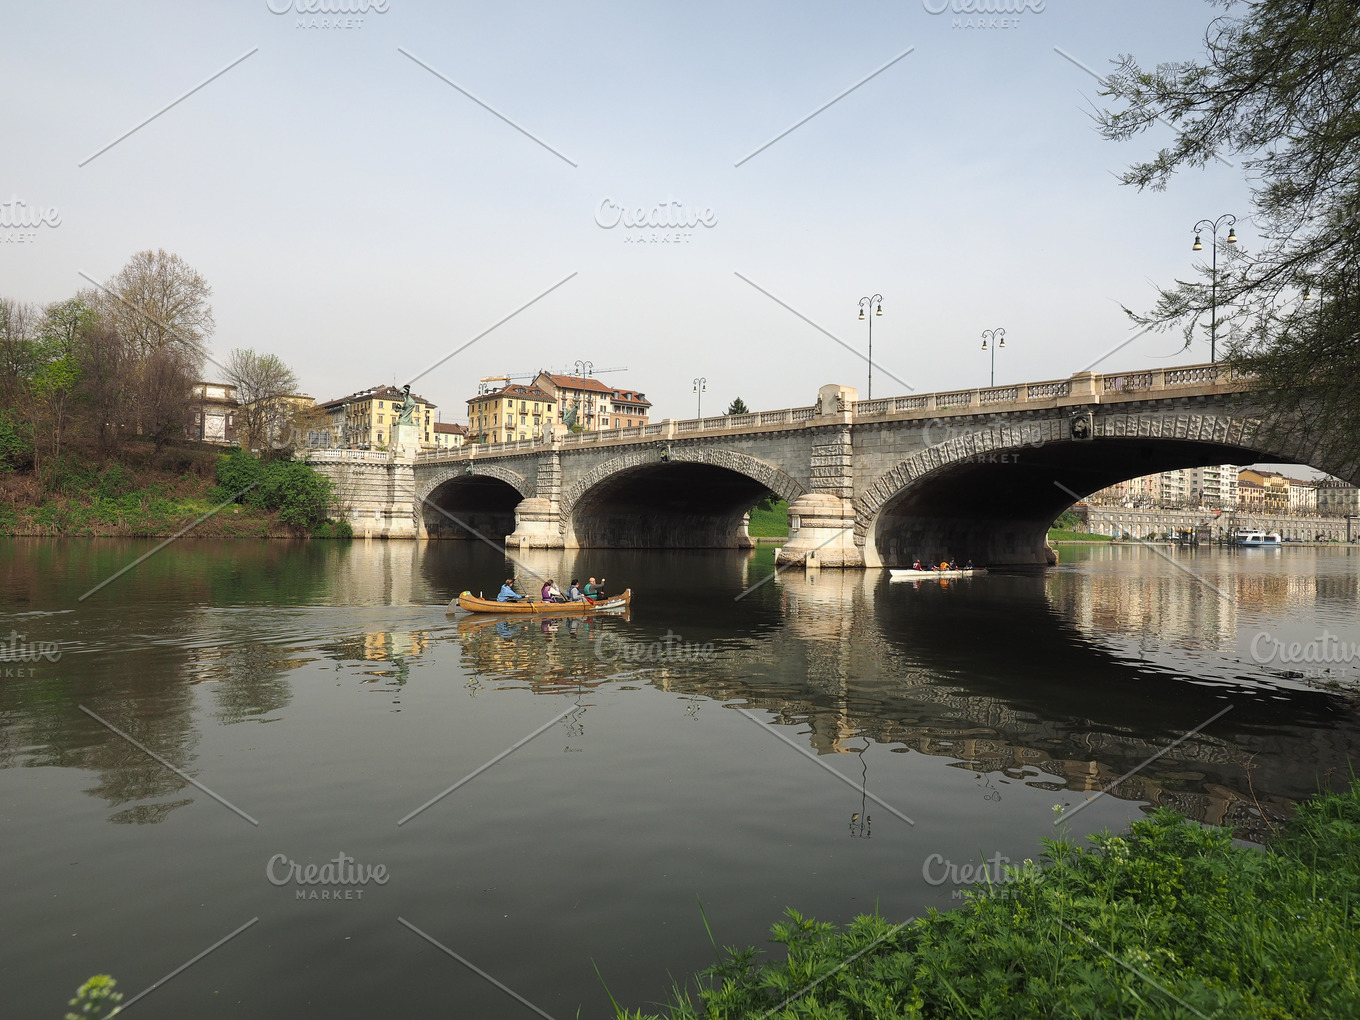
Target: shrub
(16,440)
(300,495)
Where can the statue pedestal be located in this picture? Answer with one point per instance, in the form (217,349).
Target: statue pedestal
(405,442)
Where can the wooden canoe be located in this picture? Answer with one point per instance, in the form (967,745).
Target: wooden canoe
(927,575)
(472,604)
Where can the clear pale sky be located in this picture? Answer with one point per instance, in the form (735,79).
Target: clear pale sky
(362,218)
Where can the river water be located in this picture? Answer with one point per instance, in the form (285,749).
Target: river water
(221,712)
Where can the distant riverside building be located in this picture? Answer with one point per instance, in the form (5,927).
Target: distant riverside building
(1302,497)
(510,413)
(364,420)
(1275,488)
(449,435)
(213,415)
(598,406)
(1213,487)
(1336,498)
(1251,496)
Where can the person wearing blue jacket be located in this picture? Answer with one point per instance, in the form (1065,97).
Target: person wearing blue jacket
(508,594)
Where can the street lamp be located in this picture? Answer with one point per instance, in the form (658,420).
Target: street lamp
(876,303)
(584,368)
(700,387)
(998,338)
(1213,226)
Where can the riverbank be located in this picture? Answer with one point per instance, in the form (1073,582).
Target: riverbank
(154,496)
(1171,919)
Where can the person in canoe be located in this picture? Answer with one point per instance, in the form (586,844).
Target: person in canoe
(574,593)
(508,593)
(916,564)
(593,590)
(550,591)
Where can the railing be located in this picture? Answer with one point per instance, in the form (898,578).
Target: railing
(1132,381)
(1048,390)
(961,398)
(1082,386)
(1194,375)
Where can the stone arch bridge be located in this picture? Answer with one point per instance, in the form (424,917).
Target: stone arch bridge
(970,474)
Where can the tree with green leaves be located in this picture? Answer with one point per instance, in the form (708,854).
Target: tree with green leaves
(738,406)
(1279,90)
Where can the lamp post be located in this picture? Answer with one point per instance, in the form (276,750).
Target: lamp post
(584,368)
(700,387)
(1213,226)
(998,338)
(876,303)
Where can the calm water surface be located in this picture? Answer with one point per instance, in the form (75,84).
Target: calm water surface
(320,690)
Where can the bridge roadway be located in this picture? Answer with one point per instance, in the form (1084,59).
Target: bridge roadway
(969,474)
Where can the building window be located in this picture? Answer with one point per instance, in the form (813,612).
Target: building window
(380,404)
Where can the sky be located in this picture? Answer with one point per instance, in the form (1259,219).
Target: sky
(424,179)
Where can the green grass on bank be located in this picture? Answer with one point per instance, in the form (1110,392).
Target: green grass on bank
(1064,535)
(1170,920)
(769,519)
(156,496)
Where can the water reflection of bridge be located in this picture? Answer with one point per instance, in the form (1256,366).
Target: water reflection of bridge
(1001,676)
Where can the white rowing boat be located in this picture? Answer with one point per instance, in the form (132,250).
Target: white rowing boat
(933,575)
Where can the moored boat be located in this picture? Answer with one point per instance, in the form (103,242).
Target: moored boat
(926,575)
(1257,539)
(473,604)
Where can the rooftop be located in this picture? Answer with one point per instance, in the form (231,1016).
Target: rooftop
(513,390)
(377,393)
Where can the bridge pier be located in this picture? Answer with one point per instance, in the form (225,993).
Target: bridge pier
(821,534)
(822,522)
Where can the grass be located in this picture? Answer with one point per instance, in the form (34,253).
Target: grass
(769,520)
(1064,535)
(1171,920)
(147,497)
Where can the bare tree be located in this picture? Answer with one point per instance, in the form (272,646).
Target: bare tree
(107,366)
(158,300)
(165,380)
(17,323)
(263,382)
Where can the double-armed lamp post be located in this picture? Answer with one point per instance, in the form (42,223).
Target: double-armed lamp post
(700,388)
(998,339)
(1212,226)
(876,303)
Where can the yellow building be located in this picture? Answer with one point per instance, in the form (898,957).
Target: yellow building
(1275,486)
(364,420)
(510,413)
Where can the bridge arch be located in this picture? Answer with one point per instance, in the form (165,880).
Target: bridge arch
(457,503)
(694,499)
(990,491)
